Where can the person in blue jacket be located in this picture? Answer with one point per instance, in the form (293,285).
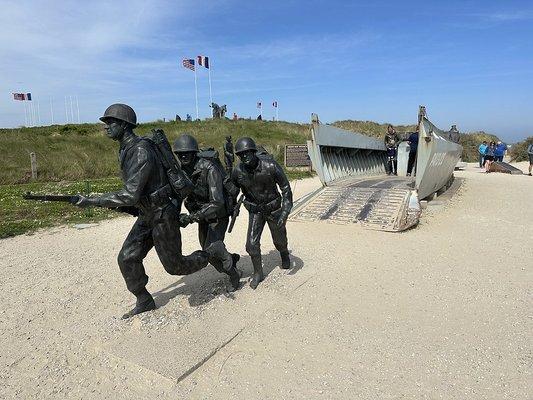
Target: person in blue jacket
(481,149)
(500,150)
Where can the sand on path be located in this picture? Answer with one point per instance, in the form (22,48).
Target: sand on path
(440,311)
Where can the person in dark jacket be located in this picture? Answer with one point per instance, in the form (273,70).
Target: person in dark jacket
(208,205)
(147,188)
(489,155)
(259,177)
(392,139)
(413,148)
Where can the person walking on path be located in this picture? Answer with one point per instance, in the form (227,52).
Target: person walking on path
(489,155)
(499,151)
(481,149)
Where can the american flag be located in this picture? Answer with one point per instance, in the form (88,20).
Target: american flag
(203,61)
(189,63)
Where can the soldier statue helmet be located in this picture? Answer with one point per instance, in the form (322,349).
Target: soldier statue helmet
(118,117)
(186,148)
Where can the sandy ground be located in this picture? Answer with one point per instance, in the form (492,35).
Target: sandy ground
(442,311)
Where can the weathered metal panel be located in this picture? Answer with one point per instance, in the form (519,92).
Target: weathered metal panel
(403,158)
(337,153)
(436,158)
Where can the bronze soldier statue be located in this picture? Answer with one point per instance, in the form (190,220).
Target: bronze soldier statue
(148,189)
(259,176)
(229,157)
(209,204)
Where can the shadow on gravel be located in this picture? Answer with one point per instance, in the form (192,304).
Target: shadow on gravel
(202,287)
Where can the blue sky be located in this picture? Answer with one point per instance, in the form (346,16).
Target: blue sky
(469,62)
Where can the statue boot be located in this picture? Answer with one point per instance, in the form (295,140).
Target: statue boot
(258,275)
(285,259)
(234,274)
(145,302)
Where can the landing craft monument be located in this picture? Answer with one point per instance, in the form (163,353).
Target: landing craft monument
(351,167)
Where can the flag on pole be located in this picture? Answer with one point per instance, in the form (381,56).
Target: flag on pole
(189,63)
(22,96)
(203,61)
(275,104)
(258,104)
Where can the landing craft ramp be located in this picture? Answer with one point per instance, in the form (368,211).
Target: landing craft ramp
(351,167)
(379,202)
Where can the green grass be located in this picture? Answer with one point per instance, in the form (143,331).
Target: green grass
(19,216)
(76,152)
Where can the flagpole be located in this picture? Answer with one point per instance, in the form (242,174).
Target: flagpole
(32,117)
(51,110)
(66,110)
(71,110)
(209,75)
(78,108)
(39,112)
(25,117)
(196,93)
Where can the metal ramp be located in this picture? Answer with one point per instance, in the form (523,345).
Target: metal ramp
(382,203)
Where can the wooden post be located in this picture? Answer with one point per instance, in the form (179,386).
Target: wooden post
(33,163)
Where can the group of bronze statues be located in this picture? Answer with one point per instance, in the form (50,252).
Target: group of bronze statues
(157,183)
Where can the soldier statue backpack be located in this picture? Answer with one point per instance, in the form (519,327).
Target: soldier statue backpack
(180,184)
(230,190)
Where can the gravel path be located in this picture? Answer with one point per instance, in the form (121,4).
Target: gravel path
(440,311)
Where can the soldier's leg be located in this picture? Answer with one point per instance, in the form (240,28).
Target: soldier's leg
(130,260)
(256,223)
(219,257)
(279,237)
(167,241)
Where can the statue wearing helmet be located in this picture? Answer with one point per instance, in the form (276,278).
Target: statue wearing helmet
(146,188)
(259,176)
(208,205)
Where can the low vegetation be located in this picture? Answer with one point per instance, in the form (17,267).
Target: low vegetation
(518,151)
(77,152)
(471,142)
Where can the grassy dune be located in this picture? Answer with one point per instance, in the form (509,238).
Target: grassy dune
(519,150)
(75,152)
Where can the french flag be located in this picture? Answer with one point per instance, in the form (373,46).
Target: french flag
(203,61)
